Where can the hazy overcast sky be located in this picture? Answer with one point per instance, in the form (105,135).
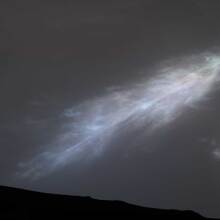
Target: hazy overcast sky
(63,58)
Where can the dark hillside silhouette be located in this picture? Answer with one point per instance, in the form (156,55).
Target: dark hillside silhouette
(24,204)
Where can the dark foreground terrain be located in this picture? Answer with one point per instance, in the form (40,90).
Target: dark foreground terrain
(24,204)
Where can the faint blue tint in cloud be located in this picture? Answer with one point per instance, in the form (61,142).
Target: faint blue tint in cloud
(148,104)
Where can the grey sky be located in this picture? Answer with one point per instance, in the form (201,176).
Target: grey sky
(57,54)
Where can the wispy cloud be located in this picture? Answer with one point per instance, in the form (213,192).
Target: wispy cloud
(147,104)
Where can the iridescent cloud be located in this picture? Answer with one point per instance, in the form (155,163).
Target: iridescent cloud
(149,104)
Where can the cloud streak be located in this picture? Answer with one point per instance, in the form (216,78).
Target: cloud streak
(149,104)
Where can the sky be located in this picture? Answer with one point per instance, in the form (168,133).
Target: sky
(115,99)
